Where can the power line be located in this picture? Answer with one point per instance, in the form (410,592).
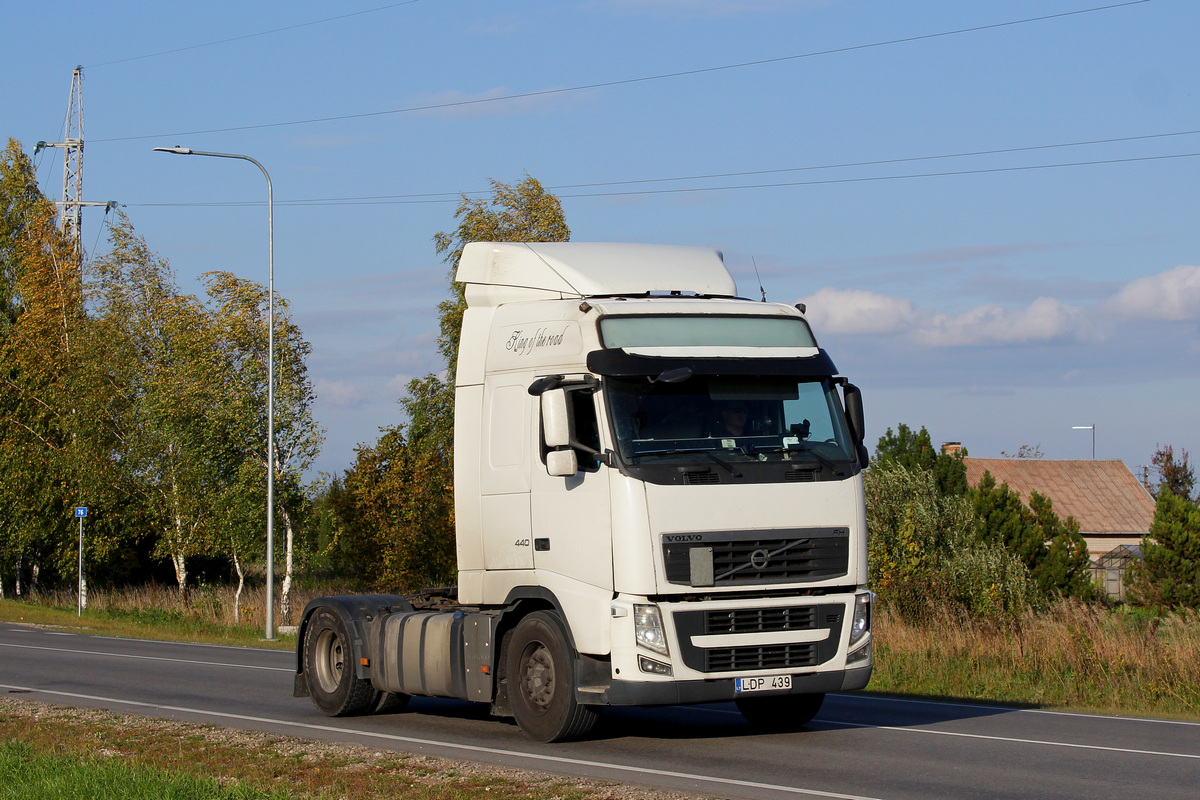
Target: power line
(251,36)
(880,162)
(451,197)
(887,177)
(629,81)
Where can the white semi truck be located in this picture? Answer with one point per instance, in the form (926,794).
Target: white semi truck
(658,500)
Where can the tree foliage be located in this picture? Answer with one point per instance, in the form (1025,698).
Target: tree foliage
(1169,574)
(1174,475)
(1052,549)
(520,212)
(924,546)
(915,451)
(120,392)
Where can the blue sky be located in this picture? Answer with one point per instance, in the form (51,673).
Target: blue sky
(989,207)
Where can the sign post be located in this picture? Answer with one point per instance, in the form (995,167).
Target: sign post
(80,513)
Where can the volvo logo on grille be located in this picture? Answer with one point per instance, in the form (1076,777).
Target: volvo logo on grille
(759,559)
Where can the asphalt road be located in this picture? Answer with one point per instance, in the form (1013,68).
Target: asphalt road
(857,747)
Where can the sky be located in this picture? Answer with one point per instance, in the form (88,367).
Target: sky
(989,208)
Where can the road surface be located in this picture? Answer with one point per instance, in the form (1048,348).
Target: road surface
(858,746)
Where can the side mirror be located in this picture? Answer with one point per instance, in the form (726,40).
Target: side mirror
(556,418)
(854,411)
(852,396)
(562,463)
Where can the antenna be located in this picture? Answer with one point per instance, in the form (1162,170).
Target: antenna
(71,206)
(760,286)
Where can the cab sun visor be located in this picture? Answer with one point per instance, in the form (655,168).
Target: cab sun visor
(620,364)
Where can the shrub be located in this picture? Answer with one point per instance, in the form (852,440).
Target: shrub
(924,546)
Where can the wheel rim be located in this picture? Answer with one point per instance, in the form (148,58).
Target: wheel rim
(537,676)
(330,661)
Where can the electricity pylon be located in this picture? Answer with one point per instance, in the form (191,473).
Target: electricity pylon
(71,206)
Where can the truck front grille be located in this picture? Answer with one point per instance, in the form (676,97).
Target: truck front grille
(756,557)
(732,657)
(759,620)
(775,656)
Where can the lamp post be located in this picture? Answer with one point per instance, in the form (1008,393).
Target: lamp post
(1091,428)
(270,606)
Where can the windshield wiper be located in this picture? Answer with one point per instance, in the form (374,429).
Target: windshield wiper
(806,448)
(688,450)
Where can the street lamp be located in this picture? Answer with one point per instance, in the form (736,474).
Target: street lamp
(184,151)
(1091,428)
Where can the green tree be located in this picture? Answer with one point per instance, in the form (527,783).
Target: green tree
(915,451)
(1052,549)
(158,344)
(924,547)
(239,308)
(520,212)
(1168,575)
(21,203)
(41,463)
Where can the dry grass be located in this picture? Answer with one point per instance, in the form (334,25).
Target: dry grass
(1076,656)
(204,614)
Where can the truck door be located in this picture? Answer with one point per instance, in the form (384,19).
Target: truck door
(504,473)
(571,515)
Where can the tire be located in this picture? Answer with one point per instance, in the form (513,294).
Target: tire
(540,672)
(329,660)
(780,713)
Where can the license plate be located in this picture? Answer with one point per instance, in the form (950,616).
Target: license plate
(766,683)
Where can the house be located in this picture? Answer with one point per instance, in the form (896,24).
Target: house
(1113,509)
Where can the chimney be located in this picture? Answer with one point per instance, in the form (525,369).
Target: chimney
(952,448)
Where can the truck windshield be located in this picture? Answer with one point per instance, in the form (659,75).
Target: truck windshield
(728,419)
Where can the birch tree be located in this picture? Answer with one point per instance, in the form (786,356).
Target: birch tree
(162,347)
(239,307)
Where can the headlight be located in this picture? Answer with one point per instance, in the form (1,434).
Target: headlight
(648,628)
(862,618)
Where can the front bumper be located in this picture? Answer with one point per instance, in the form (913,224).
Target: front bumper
(714,690)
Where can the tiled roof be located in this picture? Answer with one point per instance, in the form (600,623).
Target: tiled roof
(1102,496)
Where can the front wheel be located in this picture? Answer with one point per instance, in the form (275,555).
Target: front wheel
(541,681)
(329,668)
(780,713)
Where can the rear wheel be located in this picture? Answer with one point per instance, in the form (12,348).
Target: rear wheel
(541,681)
(329,660)
(780,713)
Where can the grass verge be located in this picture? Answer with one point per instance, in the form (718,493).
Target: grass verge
(52,752)
(198,615)
(1076,656)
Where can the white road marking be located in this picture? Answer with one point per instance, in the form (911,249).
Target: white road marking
(145,658)
(1131,751)
(451,745)
(1014,709)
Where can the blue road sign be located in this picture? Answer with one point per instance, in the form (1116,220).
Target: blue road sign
(81,511)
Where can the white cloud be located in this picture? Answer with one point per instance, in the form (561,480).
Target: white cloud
(338,393)
(857,311)
(1170,295)
(1044,320)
